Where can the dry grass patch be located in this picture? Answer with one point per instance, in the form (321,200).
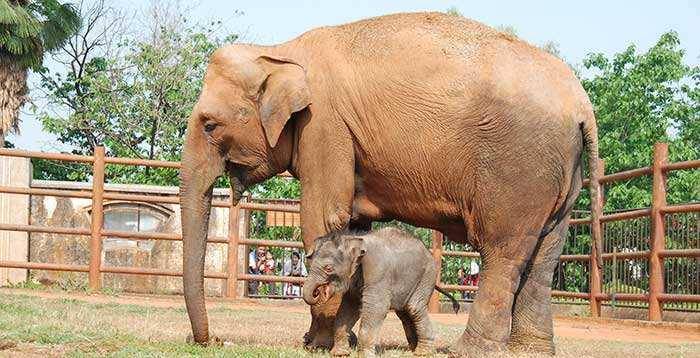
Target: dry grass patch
(49,326)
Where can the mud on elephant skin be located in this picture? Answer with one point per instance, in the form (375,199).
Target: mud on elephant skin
(473,130)
(383,270)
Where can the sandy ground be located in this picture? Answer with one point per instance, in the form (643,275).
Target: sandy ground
(564,327)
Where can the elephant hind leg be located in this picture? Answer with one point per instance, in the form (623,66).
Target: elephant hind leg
(532,311)
(409,328)
(425,337)
(417,311)
(488,327)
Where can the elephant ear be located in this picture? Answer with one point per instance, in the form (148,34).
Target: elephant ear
(283,92)
(356,247)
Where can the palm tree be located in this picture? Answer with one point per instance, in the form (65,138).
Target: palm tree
(28,29)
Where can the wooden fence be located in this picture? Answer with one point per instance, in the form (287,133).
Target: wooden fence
(655,255)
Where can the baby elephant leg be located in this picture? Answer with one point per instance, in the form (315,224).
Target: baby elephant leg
(417,309)
(424,331)
(375,306)
(409,328)
(347,316)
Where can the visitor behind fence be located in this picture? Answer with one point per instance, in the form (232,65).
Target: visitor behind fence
(254,269)
(463,281)
(295,268)
(474,273)
(266,266)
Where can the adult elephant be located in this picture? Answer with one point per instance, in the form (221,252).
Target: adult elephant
(435,120)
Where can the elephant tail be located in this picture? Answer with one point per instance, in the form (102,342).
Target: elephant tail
(589,130)
(455,304)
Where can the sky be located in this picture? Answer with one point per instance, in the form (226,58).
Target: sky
(578,27)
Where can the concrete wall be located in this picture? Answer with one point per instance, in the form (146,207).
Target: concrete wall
(156,254)
(74,250)
(14,209)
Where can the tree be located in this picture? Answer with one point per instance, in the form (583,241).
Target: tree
(28,29)
(135,99)
(641,99)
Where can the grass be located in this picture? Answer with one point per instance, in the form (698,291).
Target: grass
(75,328)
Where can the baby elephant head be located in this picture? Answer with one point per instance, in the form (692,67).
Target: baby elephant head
(334,262)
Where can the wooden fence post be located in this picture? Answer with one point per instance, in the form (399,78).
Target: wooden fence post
(434,303)
(596,239)
(232,250)
(97,219)
(246,247)
(657,240)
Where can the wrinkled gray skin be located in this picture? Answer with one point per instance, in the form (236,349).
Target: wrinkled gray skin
(375,272)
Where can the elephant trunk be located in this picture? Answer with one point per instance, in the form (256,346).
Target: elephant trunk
(197,181)
(311,292)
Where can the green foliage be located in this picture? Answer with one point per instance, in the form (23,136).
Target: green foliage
(135,103)
(641,99)
(28,29)
(275,188)
(453,11)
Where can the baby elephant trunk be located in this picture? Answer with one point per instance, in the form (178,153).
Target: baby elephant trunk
(311,292)
(316,290)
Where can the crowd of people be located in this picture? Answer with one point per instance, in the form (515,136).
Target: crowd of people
(261,261)
(468,277)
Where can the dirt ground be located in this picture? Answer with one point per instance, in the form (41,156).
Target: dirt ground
(240,322)
(570,327)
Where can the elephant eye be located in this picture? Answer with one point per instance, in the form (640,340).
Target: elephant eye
(244,114)
(209,126)
(328,269)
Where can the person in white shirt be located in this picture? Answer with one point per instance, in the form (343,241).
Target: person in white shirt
(474,273)
(295,268)
(254,258)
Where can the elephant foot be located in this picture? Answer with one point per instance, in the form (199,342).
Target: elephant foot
(367,353)
(214,341)
(531,344)
(470,345)
(424,349)
(317,342)
(340,351)
(343,344)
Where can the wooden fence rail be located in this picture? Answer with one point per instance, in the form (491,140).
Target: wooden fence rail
(655,255)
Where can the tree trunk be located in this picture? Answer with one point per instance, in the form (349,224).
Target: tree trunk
(13,95)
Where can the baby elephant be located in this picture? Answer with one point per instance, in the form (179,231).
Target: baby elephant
(375,272)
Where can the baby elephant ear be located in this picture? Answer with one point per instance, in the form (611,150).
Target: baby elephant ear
(357,247)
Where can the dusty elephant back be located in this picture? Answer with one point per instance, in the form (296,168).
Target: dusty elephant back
(393,249)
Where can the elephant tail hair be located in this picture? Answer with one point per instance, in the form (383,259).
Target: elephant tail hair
(455,304)
(589,130)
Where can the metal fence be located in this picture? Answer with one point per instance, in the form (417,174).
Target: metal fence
(641,268)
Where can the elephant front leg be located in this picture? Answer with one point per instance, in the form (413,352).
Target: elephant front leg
(322,212)
(348,314)
(375,306)
(326,169)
